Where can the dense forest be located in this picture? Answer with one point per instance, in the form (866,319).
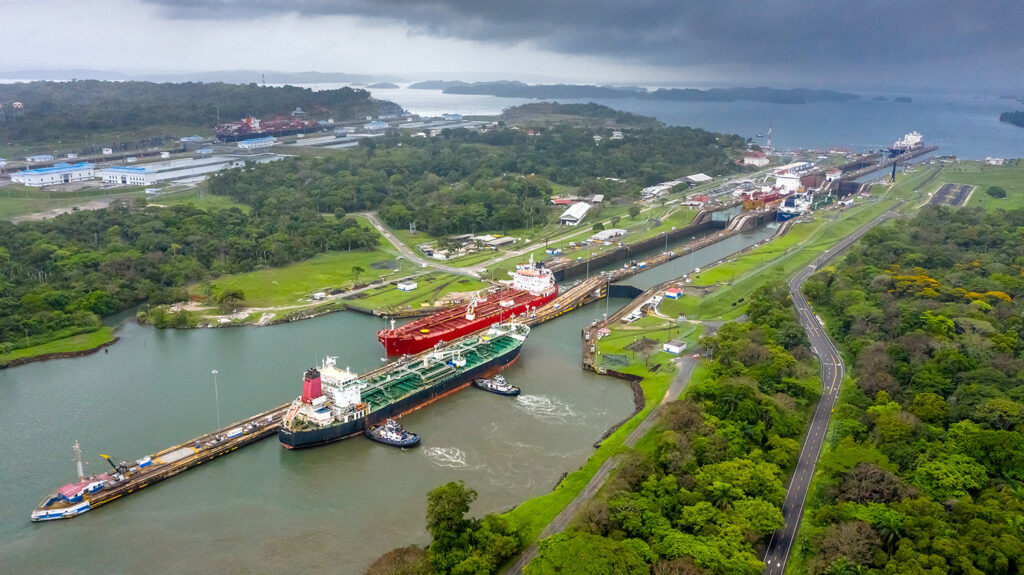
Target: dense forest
(702,499)
(590,114)
(1015,118)
(56,111)
(923,472)
(466,181)
(60,275)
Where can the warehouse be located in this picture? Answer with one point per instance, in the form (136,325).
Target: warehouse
(574,214)
(61,173)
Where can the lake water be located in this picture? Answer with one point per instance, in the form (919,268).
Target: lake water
(963,126)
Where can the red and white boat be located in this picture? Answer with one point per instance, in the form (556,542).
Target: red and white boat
(532,286)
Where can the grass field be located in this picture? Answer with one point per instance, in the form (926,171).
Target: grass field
(199,198)
(80,342)
(429,288)
(292,285)
(1008,177)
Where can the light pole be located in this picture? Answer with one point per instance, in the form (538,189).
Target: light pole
(216,396)
(692,248)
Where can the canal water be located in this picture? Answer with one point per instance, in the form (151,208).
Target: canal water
(265,509)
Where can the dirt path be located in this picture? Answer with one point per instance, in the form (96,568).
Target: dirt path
(45,215)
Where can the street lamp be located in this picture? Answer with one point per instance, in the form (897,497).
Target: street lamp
(216,396)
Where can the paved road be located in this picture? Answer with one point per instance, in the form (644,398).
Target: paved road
(562,520)
(832,371)
(408,253)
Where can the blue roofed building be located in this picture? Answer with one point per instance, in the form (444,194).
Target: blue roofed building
(257,143)
(61,173)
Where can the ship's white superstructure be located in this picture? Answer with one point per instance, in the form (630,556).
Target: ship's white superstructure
(529,277)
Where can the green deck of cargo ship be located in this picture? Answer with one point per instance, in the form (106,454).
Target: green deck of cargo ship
(389,386)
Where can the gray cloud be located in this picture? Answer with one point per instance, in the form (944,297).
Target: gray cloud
(941,39)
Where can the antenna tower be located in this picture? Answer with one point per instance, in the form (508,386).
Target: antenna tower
(77,450)
(412,228)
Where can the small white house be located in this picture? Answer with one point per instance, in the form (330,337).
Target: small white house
(407,285)
(108,151)
(675,346)
(673,293)
(833,174)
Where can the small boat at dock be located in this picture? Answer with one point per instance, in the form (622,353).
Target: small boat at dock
(497,384)
(392,433)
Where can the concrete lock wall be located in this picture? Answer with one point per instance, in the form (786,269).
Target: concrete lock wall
(574,269)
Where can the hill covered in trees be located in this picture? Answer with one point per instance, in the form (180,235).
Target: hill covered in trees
(513,89)
(923,471)
(1015,118)
(60,276)
(591,115)
(68,110)
(465,181)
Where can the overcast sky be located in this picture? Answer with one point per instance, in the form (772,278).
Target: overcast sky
(924,43)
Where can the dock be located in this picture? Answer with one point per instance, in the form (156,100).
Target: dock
(198,450)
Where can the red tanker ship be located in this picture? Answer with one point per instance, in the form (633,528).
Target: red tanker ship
(532,287)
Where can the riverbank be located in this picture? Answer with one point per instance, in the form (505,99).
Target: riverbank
(74,346)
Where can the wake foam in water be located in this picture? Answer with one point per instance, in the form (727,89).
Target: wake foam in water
(446,456)
(543,407)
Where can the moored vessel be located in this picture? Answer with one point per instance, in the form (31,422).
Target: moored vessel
(532,286)
(336,403)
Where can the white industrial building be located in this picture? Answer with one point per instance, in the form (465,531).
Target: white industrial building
(128,175)
(574,214)
(674,346)
(185,169)
(833,174)
(758,159)
(605,235)
(699,178)
(39,158)
(257,143)
(61,173)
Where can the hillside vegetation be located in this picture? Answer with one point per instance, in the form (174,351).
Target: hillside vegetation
(926,457)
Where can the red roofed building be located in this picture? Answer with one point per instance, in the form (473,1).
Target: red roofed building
(755,159)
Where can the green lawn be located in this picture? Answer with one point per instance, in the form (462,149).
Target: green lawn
(1008,177)
(199,198)
(80,342)
(429,288)
(292,285)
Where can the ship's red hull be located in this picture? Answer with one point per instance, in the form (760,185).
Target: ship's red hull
(451,324)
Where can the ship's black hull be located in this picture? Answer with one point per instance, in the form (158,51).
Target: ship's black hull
(324,435)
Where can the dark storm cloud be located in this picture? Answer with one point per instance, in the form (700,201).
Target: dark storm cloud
(742,33)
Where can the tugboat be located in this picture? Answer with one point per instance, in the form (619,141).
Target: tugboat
(496,384)
(392,433)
